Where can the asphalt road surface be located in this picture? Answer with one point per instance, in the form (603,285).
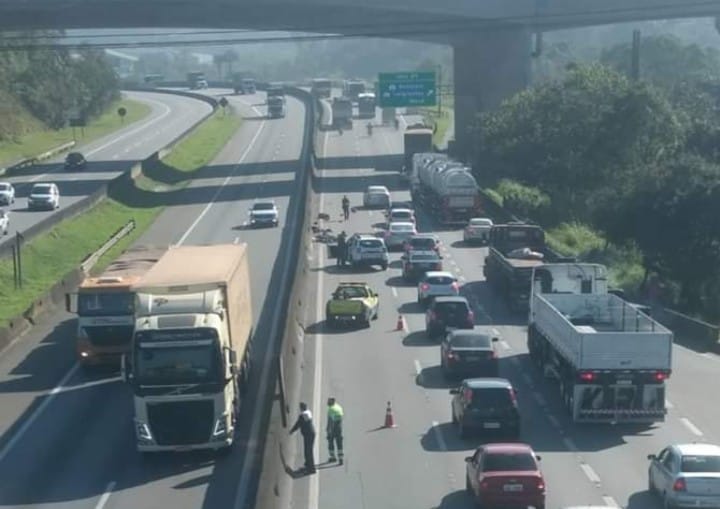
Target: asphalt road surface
(420,464)
(108,156)
(67,437)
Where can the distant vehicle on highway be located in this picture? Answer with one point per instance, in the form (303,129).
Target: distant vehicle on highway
(276,107)
(437,284)
(416,263)
(400,216)
(264,213)
(502,475)
(486,406)
(447,313)
(366,250)
(75,161)
(376,196)
(686,475)
(398,233)
(4,222)
(469,353)
(422,242)
(321,87)
(477,230)
(7,193)
(44,196)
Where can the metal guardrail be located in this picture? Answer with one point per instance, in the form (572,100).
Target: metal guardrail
(24,163)
(90,260)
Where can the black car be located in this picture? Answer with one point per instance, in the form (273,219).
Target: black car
(446,313)
(487,406)
(469,352)
(75,161)
(416,263)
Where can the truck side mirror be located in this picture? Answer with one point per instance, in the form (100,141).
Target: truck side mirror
(71,302)
(232,354)
(126,369)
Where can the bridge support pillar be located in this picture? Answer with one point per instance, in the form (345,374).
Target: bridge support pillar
(489,67)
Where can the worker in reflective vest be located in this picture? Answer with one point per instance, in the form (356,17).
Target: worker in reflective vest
(334,430)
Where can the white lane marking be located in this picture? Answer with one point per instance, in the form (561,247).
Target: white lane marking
(248,461)
(590,473)
(237,240)
(123,135)
(394,292)
(689,425)
(222,186)
(505,345)
(570,445)
(418,367)
(33,417)
(610,502)
(710,356)
(116,156)
(106,495)
(668,404)
(314,489)
(438,436)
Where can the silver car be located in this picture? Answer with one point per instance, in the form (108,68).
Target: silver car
(686,475)
(376,197)
(4,222)
(44,196)
(437,284)
(264,213)
(7,193)
(478,230)
(398,233)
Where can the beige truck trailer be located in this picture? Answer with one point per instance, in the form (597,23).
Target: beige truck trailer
(104,306)
(190,357)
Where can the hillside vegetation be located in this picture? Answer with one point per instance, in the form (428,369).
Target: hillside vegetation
(39,89)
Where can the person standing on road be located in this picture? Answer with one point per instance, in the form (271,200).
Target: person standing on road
(307,429)
(342,249)
(334,430)
(346,207)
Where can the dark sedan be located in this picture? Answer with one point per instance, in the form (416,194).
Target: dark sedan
(469,353)
(75,161)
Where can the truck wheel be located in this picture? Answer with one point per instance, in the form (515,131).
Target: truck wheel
(384,266)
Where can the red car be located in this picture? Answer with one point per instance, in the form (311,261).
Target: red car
(503,475)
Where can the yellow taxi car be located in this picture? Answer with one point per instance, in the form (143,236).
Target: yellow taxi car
(352,304)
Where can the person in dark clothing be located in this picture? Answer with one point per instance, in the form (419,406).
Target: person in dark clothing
(346,207)
(342,249)
(307,429)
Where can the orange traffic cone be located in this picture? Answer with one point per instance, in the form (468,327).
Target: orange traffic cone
(400,323)
(389,419)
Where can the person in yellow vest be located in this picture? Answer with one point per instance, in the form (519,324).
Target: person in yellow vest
(334,430)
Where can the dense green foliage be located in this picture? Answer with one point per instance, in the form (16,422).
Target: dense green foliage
(49,85)
(629,170)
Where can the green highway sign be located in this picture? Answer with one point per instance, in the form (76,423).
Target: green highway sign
(398,89)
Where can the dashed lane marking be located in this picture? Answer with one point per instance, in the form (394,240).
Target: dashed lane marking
(610,502)
(590,473)
(689,425)
(106,495)
(570,445)
(438,436)
(394,292)
(418,368)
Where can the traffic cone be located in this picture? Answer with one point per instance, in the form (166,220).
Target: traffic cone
(389,419)
(400,323)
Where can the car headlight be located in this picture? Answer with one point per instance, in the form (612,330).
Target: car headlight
(143,431)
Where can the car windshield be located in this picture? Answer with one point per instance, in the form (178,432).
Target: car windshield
(470,341)
(439,280)
(370,243)
(263,206)
(401,228)
(701,464)
(40,189)
(492,397)
(4,187)
(74,157)
(351,292)
(402,215)
(451,307)
(422,242)
(97,304)
(508,462)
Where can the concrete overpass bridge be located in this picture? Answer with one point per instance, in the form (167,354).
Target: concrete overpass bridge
(491,38)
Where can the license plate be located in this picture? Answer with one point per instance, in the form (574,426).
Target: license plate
(345,318)
(472,358)
(183,448)
(491,425)
(513,487)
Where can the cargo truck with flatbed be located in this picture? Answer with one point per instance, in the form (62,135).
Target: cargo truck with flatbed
(611,360)
(514,250)
(190,359)
(104,306)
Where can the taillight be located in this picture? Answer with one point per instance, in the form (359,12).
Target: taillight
(425,287)
(679,485)
(471,318)
(438,266)
(661,376)
(540,485)
(587,376)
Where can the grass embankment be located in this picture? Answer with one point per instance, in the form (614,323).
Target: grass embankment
(48,257)
(442,119)
(42,140)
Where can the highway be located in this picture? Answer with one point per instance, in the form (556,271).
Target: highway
(420,464)
(67,437)
(108,156)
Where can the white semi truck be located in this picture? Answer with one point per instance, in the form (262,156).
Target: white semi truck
(190,358)
(611,360)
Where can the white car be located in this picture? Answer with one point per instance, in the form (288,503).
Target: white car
(376,197)
(686,475)
(366,250)
(44,196)
(478,230)
(4,222)
(264,213)
(398,233)
(437,284)
(7,193)
(401,216)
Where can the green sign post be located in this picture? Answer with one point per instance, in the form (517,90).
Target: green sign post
(398,89)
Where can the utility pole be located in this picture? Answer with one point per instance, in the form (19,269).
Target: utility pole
(439,90)
(635,64)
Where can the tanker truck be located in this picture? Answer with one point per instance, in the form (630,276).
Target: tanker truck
(448,190)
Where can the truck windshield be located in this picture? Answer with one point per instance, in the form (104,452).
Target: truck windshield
(174,357)
(106,304)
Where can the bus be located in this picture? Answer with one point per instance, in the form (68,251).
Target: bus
(321,87)
(366,105)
